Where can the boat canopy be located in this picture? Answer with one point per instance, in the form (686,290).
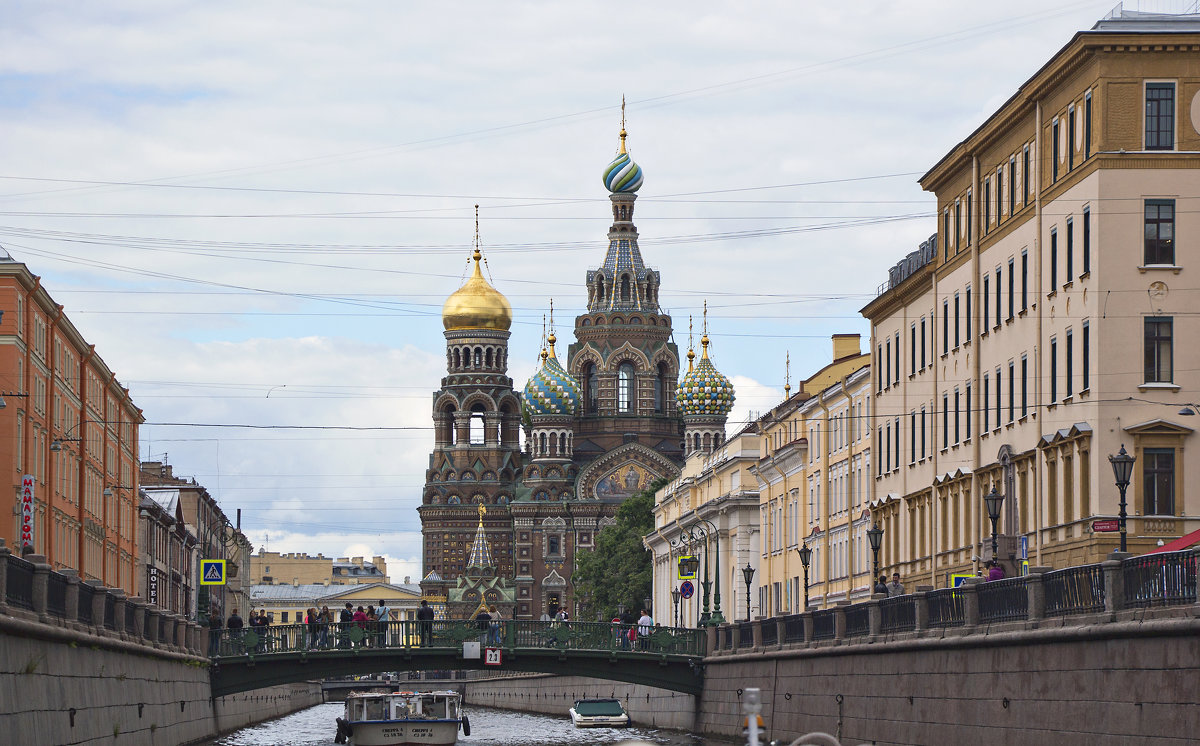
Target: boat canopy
(599,707)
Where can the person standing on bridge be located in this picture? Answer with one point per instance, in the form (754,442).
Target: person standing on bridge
(214,633)
(483,622)
(895,588)
(645,623)
(425,622)
(234,625)
(383,615)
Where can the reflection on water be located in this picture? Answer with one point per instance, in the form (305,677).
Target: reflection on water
(315,727)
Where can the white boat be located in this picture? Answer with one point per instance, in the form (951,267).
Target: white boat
(402,719)
(599,713)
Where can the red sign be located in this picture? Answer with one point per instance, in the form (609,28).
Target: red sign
(1106,526)
(491,656)
(27,507)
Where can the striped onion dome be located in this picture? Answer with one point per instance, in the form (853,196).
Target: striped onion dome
(623,175)
(551,390)
(704,390)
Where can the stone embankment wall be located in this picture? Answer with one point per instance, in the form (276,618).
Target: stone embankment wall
(1104,683)
(553,695)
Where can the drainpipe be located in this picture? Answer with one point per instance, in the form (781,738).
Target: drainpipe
(976,448)
(1035,471)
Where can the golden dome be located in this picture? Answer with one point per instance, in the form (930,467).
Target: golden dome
(477,305)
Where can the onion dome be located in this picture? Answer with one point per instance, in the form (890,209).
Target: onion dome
(477,305)
(551,390)
(623,175)
(704,390)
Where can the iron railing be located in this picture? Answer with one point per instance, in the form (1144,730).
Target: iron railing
(947,608)
(86,594)
(130,616)
(745,634)
(858,620)
(20,583)
(824,625)
(793,628)
(56,595)
(110,612)
(1003,600)
(1075,590)
(898,614)
(1165,579)
(770,633)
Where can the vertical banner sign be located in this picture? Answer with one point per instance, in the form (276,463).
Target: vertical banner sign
(27,511)
(152,586)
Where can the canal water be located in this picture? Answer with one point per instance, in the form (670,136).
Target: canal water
(315,727)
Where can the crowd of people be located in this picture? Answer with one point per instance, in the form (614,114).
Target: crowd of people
(993,569)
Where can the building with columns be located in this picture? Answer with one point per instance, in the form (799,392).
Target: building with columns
(1043,328)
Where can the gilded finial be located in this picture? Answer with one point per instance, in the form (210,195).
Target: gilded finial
(691,355)
(477,255)
(551,339)
(622,123)
(787,376)
(482,510)
(704,334)
(542,354)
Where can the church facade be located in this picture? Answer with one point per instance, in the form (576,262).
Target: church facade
(501,520)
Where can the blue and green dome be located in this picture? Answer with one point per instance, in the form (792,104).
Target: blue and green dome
(551,390)
(704,390)
(623,175)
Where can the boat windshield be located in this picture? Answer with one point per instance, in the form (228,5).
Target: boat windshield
(594,707)
(375,709)
(434,707)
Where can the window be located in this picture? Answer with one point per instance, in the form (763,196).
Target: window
(887,447)
(1160,116)
(897,442)
(1054,151)
(985,304)
(984,409)
(1160,231)
(922,343)
(987,205)
(1053,259)
(912,437)
(1087,126)
(969,216)
(1024,280)
(945,326)
(897,379)
(592,393)
(923,452)
(1070,249)
(1012,295)
(946,233)
(912,350)
(1070,362)
(967,315)
(1087,241)
(625,388)
(1085,357)
(957,414)
(967,429)
(476,431)
(1158,485)
(957,314)
(1024,385)
(945,421)
(879,365)
(660,389)
(957,224)
(1070,137)
(999,387)
(1012,184)
(1158,349)
(1053,370)
(888,363)
(1026,186)
(998,294)
(999,194)
(1011,391)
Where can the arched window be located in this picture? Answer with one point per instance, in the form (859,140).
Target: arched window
(476,423)
(626,388)
(625,287)
(600,290)
(553,444)
(457,359)
(489,357)
(478,357)
(542,450)
(660,389)
(592,391)
(451,433)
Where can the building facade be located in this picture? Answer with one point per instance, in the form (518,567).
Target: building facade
(70,439)
(286,603)
(1040,330)
(298,568)
(599,428)
(167,552)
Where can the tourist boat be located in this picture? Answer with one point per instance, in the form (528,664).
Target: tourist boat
(402,719)
(599,713)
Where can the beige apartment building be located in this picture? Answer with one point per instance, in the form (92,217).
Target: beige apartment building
(299,568)
(1045,325)
(813,477)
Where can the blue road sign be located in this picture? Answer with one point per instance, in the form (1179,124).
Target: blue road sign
(212,572)
(686,589)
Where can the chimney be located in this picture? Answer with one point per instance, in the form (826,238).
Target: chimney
(407,579)
(846,345)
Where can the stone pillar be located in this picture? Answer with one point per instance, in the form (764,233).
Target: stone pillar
(1035,588)
(1114,583)
(98,607)
(710,640)
(874,615)
(970,591)
(41,582)
(139,619)
(757,629)
(181,629)
(71,617)
(780,631)
(491,428)
(4,554)
(195,636)
(119,600)
(839,620)
(736,632)
(150,631)
(806,620)
(921,609)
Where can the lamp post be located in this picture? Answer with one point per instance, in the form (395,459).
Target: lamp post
(805,553)
(702,531)
(748,574)
(993,500)
(621,612)
(875,536)
(1122,465)
(675,596)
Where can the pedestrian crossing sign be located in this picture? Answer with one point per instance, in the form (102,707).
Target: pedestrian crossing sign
(212,572)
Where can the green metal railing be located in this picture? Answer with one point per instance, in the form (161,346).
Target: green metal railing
(446,634)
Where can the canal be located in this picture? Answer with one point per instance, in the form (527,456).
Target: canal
(315,727)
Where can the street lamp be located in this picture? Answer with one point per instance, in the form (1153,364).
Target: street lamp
(748,573)
(805,552)
(703,530)
(875,536)
(675,596)
(621,612)
(993,500)
(1122,465)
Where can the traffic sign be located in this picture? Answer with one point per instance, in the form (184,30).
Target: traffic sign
(1106,526)
(687,567)
(686,589)
(212,572)
(491,656)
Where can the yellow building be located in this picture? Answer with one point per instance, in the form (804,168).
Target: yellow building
(812,479)
(285,604)
(1035,335)
(298,568)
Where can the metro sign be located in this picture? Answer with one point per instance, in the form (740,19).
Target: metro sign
(27,507)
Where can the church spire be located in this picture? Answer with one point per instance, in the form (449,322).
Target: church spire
(481,551)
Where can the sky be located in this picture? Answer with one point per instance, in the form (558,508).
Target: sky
(256,210)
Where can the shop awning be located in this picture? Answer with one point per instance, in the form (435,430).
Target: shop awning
(1183,542)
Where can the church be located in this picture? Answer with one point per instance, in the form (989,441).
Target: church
(501,520)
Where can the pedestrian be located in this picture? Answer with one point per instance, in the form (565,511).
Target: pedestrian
(881,585)
(425,622)
(372,626)
(360,620)
(995,571)
(482,622)
(494,626)
(895,588)
(324,619)
(546,616)
(645,622)
(383,615)
(314,627)
(258,623)
(234,625)
(214,633)
(345,621)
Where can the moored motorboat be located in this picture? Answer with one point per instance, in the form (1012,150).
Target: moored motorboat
(402,719)
(599,713)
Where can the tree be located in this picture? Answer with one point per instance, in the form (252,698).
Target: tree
(619,570)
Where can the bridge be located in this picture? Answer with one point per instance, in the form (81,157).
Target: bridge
(667,658)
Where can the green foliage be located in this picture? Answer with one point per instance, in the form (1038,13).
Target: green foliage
(32,664)
(619,569)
